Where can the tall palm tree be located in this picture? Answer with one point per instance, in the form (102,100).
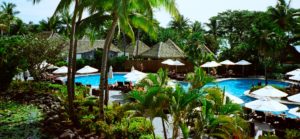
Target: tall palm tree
(281,13)
(126,14)
(213,27)
(8,11)
(179,23)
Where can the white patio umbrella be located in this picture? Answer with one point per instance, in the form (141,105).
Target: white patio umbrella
(227,63)
(171,62)
(266,104)
(294,72)
(210,64)
(135,76)
(269,91)
(61,70)
(110,72)
(132,68)
(168,62)
(243,63)
(295,77)
(87,69)
(295,98)
(294,111)
(178,63)
(51,66)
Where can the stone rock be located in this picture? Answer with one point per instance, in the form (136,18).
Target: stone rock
(68,134)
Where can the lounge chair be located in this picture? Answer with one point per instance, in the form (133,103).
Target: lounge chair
(95,92)
(120,86)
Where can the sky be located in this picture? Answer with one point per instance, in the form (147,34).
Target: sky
(195,10)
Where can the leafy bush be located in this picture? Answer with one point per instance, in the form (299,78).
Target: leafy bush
(292,134)
(61,63)
(19,120)
(118,63)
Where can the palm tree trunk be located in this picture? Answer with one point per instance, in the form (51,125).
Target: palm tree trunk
(175,129)
(137,43)
(124,42)
(104,65)
(164,128)
(70,79)
(106,90)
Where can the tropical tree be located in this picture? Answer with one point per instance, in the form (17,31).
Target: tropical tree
(198,78)
(76,18)
(154,100)
(127,14)
(9,12)
(180,101)
(180,23)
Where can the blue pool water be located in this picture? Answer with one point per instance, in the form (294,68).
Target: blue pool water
(237,87)
(94,79)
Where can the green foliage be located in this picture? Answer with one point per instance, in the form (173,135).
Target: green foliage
(198,78)
(118,63)
(25,52)
(292,134)
(12,57)
(19,120)
(61,63)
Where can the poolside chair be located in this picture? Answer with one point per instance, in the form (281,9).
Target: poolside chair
(95,92)
(78,84)
(180,77)
(120,85)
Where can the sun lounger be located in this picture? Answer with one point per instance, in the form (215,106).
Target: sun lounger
(95,92)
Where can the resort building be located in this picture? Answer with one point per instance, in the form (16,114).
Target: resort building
(134,50)
(86,49)
(164,50)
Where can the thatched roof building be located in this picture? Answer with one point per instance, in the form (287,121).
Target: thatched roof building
(164,50)
(134,51)
(85,46)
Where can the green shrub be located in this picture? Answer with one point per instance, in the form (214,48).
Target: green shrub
(292,134)
(19,120)
(61,63)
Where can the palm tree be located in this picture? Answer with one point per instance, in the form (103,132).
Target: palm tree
(158,100)
(8,11)
(179,23)
(128,13)
(179,105)
(213,27)
(198,78)
(281,14)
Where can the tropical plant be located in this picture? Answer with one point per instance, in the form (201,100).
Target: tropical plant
(8,12)
(198,78)
(127,14)
(180,101)
(154,100)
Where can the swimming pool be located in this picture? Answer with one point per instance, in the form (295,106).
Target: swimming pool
(237,87)
(94,79)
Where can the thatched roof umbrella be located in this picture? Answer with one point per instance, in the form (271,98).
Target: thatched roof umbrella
(164,50)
